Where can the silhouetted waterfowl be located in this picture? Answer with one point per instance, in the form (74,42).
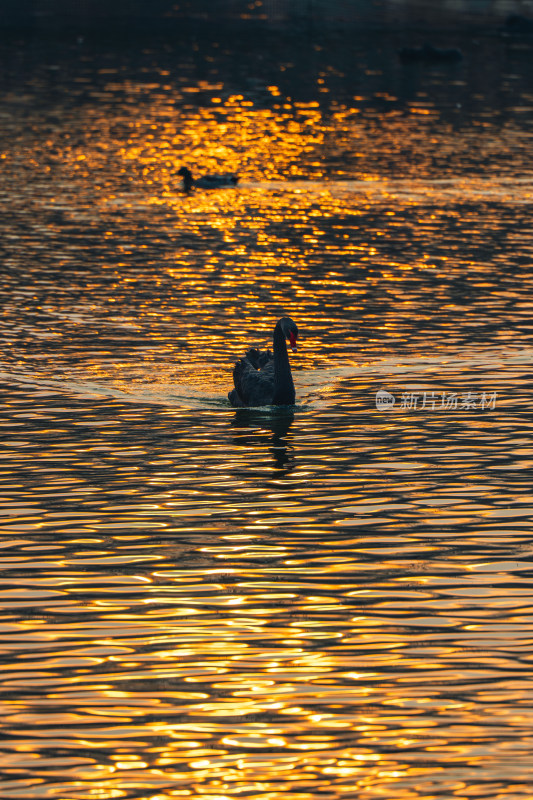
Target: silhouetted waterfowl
(263,379)
(206,181)
(430,55)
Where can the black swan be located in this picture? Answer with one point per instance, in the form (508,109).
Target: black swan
(206,181)
(263,379)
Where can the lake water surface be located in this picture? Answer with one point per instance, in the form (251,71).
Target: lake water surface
(325,602)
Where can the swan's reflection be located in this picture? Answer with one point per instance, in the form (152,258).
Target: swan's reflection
(266,428)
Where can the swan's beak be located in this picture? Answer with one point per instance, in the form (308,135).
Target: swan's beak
(292,338)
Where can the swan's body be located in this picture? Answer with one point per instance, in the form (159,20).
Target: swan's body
(263,378)
(206,181)
(429,54)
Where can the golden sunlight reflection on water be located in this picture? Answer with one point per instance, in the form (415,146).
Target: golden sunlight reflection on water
(327,601)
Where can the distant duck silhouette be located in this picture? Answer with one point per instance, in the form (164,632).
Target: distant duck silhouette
(427,54)
(206,181)
(263,379)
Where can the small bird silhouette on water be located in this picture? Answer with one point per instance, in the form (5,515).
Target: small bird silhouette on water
(206,181)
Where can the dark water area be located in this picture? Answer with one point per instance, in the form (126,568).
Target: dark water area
(326,601)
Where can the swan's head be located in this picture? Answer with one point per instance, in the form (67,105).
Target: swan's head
(290,331)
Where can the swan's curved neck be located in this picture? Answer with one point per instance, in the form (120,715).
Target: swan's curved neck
(284,394)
